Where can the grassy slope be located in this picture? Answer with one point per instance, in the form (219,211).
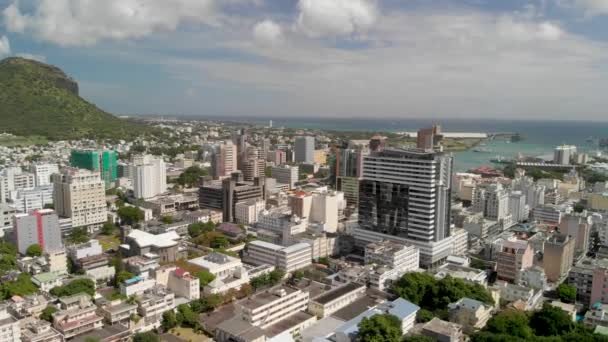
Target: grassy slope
(38,99)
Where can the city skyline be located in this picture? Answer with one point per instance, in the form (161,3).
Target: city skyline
(312,58)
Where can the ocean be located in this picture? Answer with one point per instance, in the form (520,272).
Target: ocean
(539,137)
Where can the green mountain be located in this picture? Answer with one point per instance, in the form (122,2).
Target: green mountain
(40,99)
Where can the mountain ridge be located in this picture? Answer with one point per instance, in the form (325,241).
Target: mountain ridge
(41,99)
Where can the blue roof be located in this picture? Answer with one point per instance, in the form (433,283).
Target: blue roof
(400,308)
(133,280)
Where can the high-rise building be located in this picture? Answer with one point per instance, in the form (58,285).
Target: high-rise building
(513,257)
(563,154)
(429,138)
(239,138)
(224,160)
(517,206)
(286,174)
(224,195)
(304,149)
(13,178)
(149,176)
(39,227)
(493,202)
(405,196)
(578,227)
(105,162)
(253,168)
(558,256)
(80,195)
(43,172)
(278,157)
(349,168)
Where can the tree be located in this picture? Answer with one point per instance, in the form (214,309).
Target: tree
(121,276)
(510,322)
(566,293)
(276,276)
(130,215)
(205,278)
(78,235)
(146,337)
(82,285)
(380,328)
(22,286)
(219,242)
(578,207)
(167,219)
(190,177)
(34,250)
(417,338)
(424,316)
(551,321)
(297,275)
(108,228)
(47,313)
(169,321)
(187,317)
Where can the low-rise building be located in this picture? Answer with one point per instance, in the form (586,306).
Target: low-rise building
(77,316)
(400,308)
(470,274)
(46,281)
(334,300)
(471,314)
(9,326)
(512,293)
(443,331)
(117,312)
(288,259)
(152,304)
(136,285)
(164,245)
(39,331)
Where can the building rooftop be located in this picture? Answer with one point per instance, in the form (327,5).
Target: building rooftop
(287,323)
(296,247)
(144,239)
(267,297)
(338,292)
(266,245)
(212,260)
(46,277)
(239,327)
(442,327)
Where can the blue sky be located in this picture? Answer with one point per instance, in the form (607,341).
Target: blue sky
(324,58)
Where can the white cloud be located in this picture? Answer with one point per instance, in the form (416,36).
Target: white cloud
(336,17)
(85,22)
(5,46)
(267,33)
(589,7)
(39,58)
(439,64)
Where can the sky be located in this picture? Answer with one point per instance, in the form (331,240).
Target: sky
(523,59)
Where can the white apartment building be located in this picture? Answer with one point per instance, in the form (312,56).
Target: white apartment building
(326,207)
(492,201)
(304,149)
(563,154)
(136,286)
(10,330)
(460,239)
(288,259)
(392,261)
(220,265)
(43,172)
(78,315)
(286,174)
(183,284)
(80,195)
(535,194)
(550,214)
(90,248)
(247,212)
(149,176)
(26,200)
(152,304)
(334,300)
(13,178)
(517,206)
(404,195)
(265,309)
